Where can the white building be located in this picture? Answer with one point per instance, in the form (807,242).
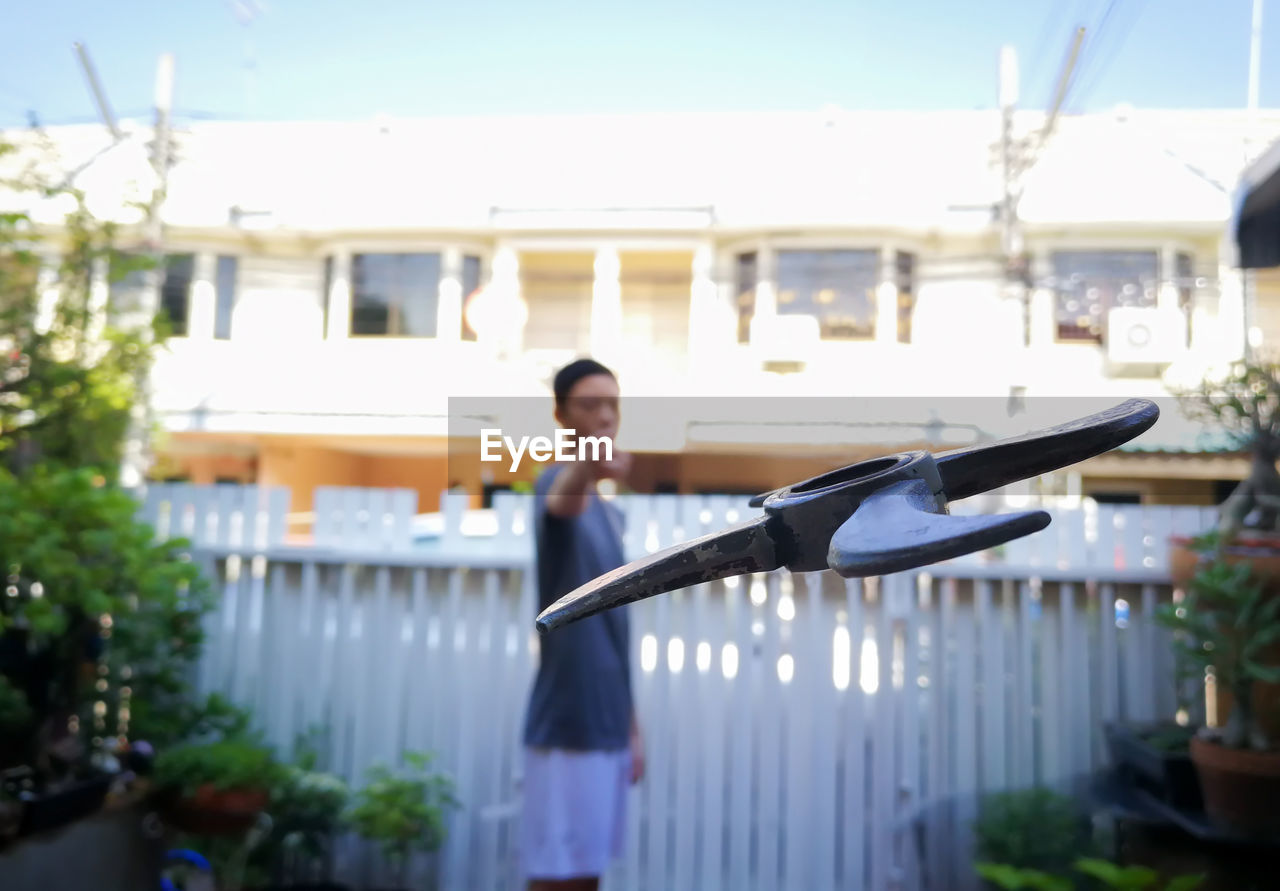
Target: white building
(322,272)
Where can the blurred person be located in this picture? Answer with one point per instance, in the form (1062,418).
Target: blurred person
(583,746)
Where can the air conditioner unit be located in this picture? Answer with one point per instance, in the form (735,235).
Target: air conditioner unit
(784,342)
(1140,335)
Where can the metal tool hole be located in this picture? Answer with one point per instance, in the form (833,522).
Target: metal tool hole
(847,474)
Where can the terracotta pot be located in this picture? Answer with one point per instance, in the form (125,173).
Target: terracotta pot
(1261,550)
(211,811)
(1240,787)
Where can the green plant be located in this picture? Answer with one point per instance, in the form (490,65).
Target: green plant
(1226,623)
(15,714)
(1036,829)
(224,765)
(1104,873)
(404,813)
(1244,405)
(1170,739)
(307,807)
(69,378)
(309,802)
(99,623)
(171,714)
(100,619)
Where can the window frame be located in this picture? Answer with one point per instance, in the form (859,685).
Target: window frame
(343,252)
(401,256)
(182,331)
(218,292)
(876,255)
(1167,250)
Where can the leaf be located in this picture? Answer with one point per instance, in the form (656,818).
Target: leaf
(1043,882)
(1113,876)
(1007,877)
(1185,883)
(1269,674)
(1263,639)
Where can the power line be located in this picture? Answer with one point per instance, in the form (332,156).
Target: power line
(1090,56)
(1052,24)
(1103,59)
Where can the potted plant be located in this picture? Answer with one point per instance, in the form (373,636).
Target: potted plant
(308,809)
(1032,829)
(404,812)
(1243,407)
(216,788)
(84,578)
(1226,624)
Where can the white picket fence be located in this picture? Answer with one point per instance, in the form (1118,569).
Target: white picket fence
(803,731)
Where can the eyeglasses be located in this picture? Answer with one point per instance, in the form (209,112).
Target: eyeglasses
(592,403)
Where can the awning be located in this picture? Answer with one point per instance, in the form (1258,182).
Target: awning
(1257,218)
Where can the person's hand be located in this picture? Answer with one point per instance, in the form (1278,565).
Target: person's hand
(617,469)
(637,756)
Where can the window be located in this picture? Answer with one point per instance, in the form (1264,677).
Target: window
(225,286)
(1090,283)
(175,292)
(326,290)
(906,281)
(838,287)
(470,284)
(395,294)
(126,282)
(745,277)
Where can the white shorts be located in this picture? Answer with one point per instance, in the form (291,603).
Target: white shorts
(574,812)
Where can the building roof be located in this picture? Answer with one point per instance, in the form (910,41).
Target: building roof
(1257,218)
(1201,442)
(874,169)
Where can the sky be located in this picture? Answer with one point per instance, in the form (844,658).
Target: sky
(331,60)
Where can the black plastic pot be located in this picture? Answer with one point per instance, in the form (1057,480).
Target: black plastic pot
(57,809)
(1168,775)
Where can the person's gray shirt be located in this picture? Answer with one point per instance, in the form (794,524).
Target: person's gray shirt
(581,698)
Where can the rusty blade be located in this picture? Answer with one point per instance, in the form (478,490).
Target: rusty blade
(747,547)
(900,528)
(981,468)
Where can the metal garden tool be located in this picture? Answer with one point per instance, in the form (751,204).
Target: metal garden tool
(871,518)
